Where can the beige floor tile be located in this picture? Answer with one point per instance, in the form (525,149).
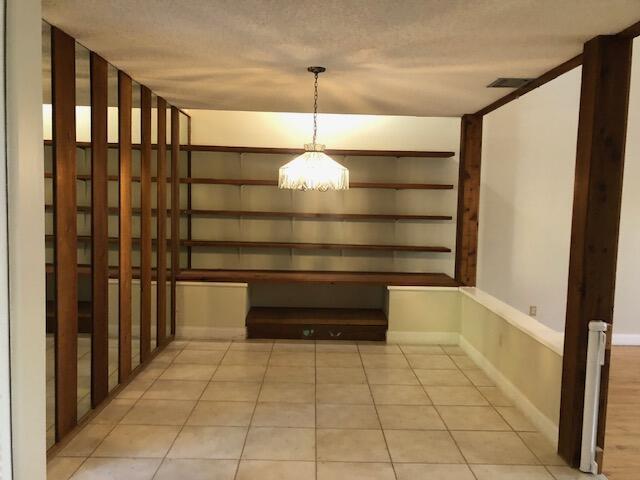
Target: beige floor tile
(463,362)
(187,469)
(424,349)
(207,345)
(165,357)
(399,395)
(293,359)
(227,414)
(175,390)
(209,443)
(351,445)
(423,471)
(568,473)
(267,443)
(391,376)
(378,347)
(137,441)
(355,471)
(238,373)
(329,346)
(384,360)
(117,469)
(232,391)
(114,411)
(479,378)
(188,371)
(288,393)
(495,396)
(516,419)
(466,396)
(442,378)
(431,362)
(343,393)
(420,446)
(290,374)
(542,448)
(494,448)
(340,375)
(252,345)
(284,415)
(61,468)
(293,346)
(135,389)
(347,416)
(242,357)
(200,357)
(86,441)
(276,470)
(150,372)
(409,417)
(510,472)
(453,350)
(333,359)
(472,418)
(159,412)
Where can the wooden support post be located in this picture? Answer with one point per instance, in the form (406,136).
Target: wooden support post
(175,210)
(602,126)
(99,233)
(125,240)
(65,229)
(468,199)
(161,206)
(145,225)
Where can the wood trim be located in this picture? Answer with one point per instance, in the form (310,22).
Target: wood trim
(318,277)
(532,85)
(315,246)
(632,31)
(161,235)
(99,232)
(189,203)
(274,183)
(175,210)
(65,230)
(468,199)
(145,224)
(125,240)
(298,151)
(314,215)
(602,125)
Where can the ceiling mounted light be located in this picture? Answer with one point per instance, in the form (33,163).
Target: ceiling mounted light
(314,169)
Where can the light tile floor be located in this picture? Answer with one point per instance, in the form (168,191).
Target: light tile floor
(309,410)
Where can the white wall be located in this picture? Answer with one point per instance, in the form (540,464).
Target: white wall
(528,162)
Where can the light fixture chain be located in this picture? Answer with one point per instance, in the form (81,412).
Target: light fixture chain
(315,108)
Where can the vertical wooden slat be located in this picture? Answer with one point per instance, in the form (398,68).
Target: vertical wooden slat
(125,242)
(145,225)
(604,101)
(65,229)
(468,199)
(99,232)
(175,210)
(161,206)
(189,203)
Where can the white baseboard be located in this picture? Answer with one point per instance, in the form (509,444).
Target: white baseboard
(626,339)
(420,338)
(539,419)
(211,333)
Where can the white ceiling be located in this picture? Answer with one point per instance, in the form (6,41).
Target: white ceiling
(392,57)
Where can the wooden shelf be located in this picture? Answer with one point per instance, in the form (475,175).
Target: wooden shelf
(318,277)
(274,183)
(314,246)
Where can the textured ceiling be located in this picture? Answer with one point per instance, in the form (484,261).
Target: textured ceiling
(393,57)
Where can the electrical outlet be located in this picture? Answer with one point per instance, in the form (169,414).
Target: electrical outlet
(533,310)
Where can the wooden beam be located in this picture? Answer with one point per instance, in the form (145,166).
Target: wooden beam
(145,225)
(632,31)
(161,205)
(99,232)
(125,241)
(189,200)
(315,246)
(65,230)
(468,199)
(175,210)
(602,126)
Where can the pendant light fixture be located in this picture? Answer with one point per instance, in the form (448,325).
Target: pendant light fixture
(314,169)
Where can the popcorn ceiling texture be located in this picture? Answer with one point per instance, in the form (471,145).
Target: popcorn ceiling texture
(414,57)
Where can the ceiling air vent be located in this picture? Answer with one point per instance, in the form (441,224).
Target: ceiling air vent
(509,82)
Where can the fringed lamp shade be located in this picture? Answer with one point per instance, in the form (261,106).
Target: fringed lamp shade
(313,170)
